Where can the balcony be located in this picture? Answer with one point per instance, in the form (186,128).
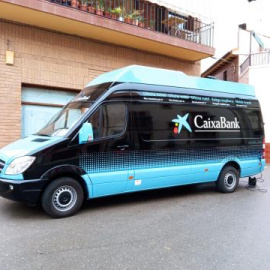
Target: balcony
(136,24)
(256,59)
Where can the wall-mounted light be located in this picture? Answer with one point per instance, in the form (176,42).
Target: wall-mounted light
(10,55)
(10,58)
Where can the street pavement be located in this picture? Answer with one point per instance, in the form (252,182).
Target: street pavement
(192,227)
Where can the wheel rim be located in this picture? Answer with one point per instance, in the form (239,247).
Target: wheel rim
(64,198)
(230,180)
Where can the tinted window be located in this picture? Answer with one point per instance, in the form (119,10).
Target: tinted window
(108,120)
(155,121)
(174,122)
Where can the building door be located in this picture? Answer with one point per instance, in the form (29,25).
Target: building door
(39,106)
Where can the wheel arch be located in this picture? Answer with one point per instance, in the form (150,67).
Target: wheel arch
(233,163)
(67,171)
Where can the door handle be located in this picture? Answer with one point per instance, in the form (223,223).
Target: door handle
(123,147)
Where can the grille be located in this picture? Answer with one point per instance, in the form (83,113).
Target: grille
(2,164)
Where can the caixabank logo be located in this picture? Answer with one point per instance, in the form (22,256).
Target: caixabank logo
(206,125)
(180,122)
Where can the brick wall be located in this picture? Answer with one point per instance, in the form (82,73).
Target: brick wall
(267,152)
(51,59)
(10,101)
(232,71)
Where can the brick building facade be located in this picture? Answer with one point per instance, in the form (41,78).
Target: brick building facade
(49,59)
(226,68)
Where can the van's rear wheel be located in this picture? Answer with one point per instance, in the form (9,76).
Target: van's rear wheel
(62,198)
(228,180)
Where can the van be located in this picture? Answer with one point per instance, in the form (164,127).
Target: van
(134,129)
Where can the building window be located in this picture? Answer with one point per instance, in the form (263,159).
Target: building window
(39,106)
(225,75)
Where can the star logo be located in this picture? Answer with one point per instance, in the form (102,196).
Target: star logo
(180,122)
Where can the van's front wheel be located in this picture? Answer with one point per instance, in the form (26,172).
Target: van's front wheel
(62,198)
(228,180)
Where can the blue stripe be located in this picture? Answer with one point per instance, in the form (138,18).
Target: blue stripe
(111,183)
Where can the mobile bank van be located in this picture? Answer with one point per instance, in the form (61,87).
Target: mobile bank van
(134,129)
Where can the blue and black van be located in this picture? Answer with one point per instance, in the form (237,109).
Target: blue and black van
(134,129)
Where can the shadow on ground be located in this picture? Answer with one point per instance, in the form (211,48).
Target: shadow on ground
(22,211)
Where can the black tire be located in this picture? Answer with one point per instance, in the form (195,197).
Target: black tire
(228,180)
(62,198)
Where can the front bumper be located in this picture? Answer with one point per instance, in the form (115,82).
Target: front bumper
(27,191)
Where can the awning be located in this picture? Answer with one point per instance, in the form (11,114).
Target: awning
(169,6)
(176,9)
(258,39)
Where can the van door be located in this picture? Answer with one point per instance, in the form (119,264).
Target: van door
(160,154)
(105,158)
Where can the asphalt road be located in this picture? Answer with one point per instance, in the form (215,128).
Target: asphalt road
(191,227)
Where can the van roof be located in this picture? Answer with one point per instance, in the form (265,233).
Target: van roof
(165,77)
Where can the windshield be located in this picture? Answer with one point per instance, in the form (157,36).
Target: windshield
(63,121)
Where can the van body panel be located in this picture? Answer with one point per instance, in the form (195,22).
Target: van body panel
(252,167)
(168,176)
(26,146)
(108,183)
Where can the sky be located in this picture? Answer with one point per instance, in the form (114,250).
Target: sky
(227,15)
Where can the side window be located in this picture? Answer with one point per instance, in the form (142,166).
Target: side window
(254,122)
(155,121)
(108,120)
(160,122)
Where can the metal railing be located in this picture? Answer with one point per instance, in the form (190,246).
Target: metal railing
(149,16)
(256,59)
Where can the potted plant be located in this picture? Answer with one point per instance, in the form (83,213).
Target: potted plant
(128,18)
(84,5)
(151,24)
(107,12)
(91,6)
(136,16)
(141,22)
(100,7)
(116,12)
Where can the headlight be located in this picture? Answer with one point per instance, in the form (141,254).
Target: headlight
(19,165)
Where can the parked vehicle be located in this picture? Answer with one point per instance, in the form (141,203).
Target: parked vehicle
(134,129)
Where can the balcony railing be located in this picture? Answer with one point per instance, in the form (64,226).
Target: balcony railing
(149,16)
(255,60)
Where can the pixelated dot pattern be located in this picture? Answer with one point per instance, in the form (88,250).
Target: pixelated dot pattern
(147,159)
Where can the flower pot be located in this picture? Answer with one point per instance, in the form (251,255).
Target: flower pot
(128,20)
(114,16)
(91,9)
(84,7)
(135,22)
(74,3)
(107,14)
(99,12)
(141,24)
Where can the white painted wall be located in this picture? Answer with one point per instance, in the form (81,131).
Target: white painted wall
(259,76)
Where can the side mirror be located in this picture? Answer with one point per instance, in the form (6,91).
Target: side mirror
(86,133)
